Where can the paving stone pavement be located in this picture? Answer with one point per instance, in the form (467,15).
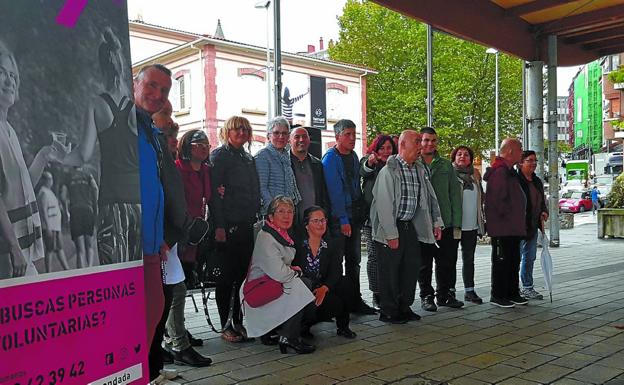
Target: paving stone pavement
(569,341)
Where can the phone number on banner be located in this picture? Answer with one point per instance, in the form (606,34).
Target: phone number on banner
(56,376)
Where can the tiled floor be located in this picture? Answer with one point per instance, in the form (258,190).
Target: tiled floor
(569,341)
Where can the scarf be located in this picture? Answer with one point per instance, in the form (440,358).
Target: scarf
(291,183)
(464,174)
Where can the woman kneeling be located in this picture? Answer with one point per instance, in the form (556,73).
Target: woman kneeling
(322,268)
(272,256)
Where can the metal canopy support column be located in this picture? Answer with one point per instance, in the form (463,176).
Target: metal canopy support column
(277,67)
(553,151)
(535,113)
(525,129)
(429,76)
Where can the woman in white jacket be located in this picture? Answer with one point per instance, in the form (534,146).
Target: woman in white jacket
(272,256)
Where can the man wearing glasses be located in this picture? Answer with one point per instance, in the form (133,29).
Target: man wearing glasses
(273,165)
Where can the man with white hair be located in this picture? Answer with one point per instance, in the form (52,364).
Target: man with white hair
(505,210)
(404,211)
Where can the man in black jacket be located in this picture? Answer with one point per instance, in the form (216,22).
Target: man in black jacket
(308,171)
(151,89)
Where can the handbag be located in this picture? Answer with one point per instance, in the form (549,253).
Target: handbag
(261,291)
(215,268)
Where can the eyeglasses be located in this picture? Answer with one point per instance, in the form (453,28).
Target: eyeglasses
(284,211)
(241,128)
(280,133)
(318,221)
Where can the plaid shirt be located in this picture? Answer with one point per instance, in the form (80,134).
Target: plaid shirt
(410,190)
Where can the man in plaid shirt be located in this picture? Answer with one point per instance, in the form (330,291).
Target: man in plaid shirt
(404,209)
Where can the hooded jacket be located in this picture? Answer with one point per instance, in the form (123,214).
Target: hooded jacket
(386,200)
(505,202)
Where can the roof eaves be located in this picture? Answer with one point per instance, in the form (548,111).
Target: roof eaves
(231,43)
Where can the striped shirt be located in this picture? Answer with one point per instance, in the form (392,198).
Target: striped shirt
(410,190)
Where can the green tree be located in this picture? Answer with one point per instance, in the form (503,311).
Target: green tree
(395,46)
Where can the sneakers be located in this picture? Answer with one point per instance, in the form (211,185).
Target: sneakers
(471,296)
(428,304)
(519,300)
(501,302)
(531,294)
(450,301)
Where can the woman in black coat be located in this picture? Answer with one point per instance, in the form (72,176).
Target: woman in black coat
(320,264)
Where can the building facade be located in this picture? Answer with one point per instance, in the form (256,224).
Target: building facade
(613,102)
(588,110)
(214,79)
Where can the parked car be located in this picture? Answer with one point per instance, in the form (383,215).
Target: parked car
(575,201)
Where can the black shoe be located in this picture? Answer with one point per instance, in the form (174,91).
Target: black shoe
(364,309)
(298,346)
(428,304)
(269,339)
(409,315)
(501,302)
(471,296)
(450,301)
(346,333)
(166,356)
(194,341)
(190,357)
(519,300)
(395,320)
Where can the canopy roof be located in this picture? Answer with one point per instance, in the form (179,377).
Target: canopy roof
(585,29)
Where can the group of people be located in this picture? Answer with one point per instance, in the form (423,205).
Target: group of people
(288,217)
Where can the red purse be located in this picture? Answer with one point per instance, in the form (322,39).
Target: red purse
(262,290)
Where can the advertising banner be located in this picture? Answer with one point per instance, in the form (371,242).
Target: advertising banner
(318,102)
(72,307)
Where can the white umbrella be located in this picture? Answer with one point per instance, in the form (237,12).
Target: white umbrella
(547,265)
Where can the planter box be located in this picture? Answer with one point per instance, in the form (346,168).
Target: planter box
(611,223)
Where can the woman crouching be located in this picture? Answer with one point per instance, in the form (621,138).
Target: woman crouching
(271,261)
(322,268)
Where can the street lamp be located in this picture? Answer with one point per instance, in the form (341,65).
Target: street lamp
(265,5)
(495,52)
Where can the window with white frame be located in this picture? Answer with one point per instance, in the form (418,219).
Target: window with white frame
(254,96)
(180,95)
(336,103)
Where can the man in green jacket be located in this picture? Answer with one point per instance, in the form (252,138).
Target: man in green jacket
(448,191)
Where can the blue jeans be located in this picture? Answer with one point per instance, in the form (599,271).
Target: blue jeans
(528,252)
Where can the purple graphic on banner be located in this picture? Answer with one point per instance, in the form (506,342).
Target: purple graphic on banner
(71,11)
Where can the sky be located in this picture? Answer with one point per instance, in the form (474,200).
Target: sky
(303,22)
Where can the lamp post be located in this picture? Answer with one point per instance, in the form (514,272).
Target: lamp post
(495,52)
(265,4)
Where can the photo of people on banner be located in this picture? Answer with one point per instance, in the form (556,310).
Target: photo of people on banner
(69,181)
(71,267)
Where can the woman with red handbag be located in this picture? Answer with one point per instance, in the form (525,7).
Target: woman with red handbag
(273,295)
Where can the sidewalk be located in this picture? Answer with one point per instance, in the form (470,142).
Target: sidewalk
(569,341)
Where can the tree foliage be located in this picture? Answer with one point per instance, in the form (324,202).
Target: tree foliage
(463,78)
